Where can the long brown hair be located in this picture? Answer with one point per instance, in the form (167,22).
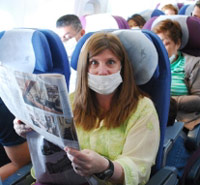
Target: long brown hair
(86,110)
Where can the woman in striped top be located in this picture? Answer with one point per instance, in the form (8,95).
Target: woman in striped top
(185,87)
(185,69)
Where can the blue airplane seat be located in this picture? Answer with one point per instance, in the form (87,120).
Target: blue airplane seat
(152,75)
(149,13)
(35,51)
(186,9)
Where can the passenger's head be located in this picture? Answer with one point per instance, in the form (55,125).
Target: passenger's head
(196,11)
(136,21)
(170,33)
(169,9)
(95,46)
(104,50)
(69,26)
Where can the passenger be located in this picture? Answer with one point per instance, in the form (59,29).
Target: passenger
(70,31)
(196,11)
(169,9)
(15,147)
(119,141)
(136,21)
(185,86)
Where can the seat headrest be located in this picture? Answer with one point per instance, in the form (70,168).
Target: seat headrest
(148,14)
(19,47)
(177,5)
(186,9)
(122,23)
(141,52)
(96,22)
(190,26)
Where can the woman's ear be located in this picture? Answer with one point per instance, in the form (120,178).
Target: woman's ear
(178,44)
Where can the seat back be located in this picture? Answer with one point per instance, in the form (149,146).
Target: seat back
(34,51)
(151,70)
(149,13)
(190,26)
(177,5)
(96,22)
(186,9)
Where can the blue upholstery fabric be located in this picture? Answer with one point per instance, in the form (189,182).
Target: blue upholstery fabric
(58,53)
(186,9)
(75,56)
(159,90)
(158,87)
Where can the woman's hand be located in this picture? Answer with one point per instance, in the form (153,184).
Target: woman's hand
(86,162)
(20,128)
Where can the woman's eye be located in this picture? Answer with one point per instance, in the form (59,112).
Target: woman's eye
(111,62)
(93,62)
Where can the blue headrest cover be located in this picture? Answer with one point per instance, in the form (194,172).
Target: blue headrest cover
(25,50)
(141,52)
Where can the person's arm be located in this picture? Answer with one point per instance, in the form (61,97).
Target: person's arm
(88,162)
(188,103)
(142,143)
(191,103)
(20,128)
(139,150)
(19,156)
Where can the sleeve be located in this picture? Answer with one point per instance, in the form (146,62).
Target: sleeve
(188,103)
(8,136)
(191,103)
(141,146)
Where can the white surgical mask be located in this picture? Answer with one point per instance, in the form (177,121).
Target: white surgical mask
(70,46)
(104,84)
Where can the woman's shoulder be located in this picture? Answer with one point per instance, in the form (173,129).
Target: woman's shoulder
(145,106)
(145,101)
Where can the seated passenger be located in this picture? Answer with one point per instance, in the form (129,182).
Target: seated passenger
(15,147)
(136,21)
(122,138)
(70,31)
(185,86)
(196,11)
(169,9)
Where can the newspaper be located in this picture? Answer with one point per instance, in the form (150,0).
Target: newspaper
(41,101)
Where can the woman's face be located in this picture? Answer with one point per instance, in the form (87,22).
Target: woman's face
(105,63)
(170,45)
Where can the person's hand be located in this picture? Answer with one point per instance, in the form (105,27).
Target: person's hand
(20,128)
(86,162)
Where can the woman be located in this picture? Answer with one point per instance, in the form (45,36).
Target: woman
(185,87)
(117,126)
(185,69)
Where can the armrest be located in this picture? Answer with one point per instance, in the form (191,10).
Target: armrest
(193,176)
(165,176)
(22,172)
(171,135)
(193,139)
